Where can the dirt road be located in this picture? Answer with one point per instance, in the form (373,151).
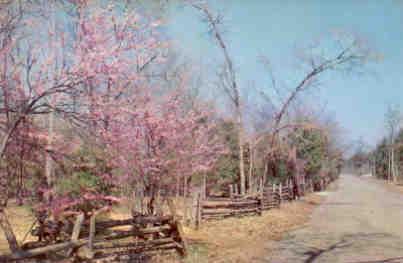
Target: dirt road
(359,222)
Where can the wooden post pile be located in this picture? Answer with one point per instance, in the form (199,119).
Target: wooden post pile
(112,238)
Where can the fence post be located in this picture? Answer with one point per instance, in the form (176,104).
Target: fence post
(231,191)
(185,209)
(90,253)
(292,190)
(76,231)
(142,196)
(261,195)
(194,208)
(198,211)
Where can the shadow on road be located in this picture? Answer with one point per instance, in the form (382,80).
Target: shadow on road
(348,242)
(315,253)
(388,260)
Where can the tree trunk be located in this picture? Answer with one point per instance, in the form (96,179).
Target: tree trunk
(204,187)
(185,186)
(178,181)
(49,161)
(251,160)
(374,167)
(389,166)
(265,173)
(51,74)
(241,155)
(393,167)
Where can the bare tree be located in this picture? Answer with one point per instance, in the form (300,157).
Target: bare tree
(229,84)
(350,54)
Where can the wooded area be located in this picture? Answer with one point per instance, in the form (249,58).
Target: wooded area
(385,160)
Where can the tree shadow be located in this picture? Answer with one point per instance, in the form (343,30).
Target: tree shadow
(315,252)
(387,260)
(356,241)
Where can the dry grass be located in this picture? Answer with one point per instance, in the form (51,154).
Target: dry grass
(21,219)
(245,239)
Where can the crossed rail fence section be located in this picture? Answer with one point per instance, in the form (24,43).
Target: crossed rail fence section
(235,205)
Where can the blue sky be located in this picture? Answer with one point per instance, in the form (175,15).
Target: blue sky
(276,28)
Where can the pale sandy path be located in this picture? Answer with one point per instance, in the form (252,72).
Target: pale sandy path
(359,222)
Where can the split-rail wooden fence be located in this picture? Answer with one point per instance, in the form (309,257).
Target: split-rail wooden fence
(115,240)
(236,205)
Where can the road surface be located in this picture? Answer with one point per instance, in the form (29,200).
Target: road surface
(361,222)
